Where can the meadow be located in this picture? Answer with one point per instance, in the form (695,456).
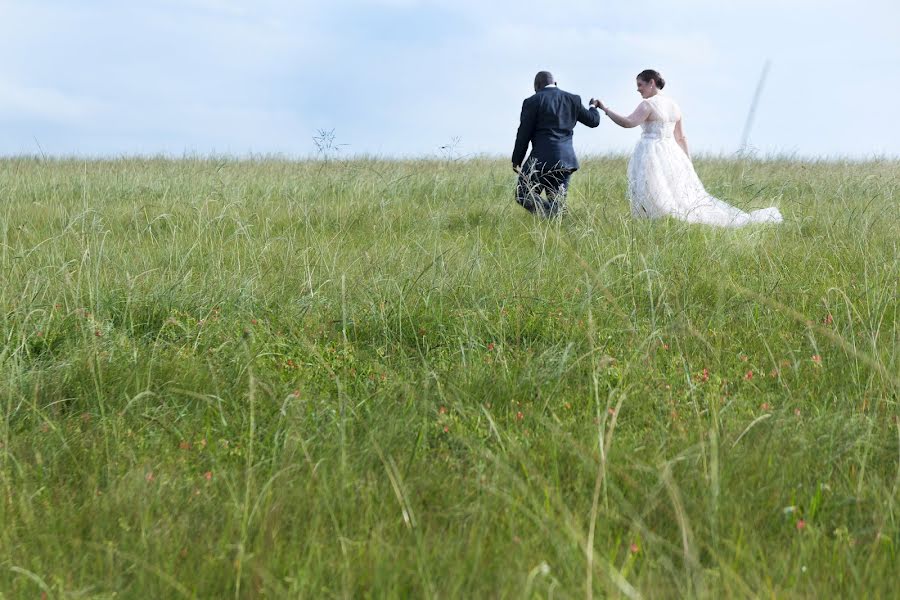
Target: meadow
(266,378)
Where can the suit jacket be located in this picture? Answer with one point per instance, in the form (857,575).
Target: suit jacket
(547,121)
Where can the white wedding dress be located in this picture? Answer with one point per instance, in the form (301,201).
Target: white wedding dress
(662,181)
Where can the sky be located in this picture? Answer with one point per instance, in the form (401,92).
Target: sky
(404,78)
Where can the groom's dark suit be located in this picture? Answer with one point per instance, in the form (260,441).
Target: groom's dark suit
(547,120)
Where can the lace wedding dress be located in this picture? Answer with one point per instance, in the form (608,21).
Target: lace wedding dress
(662,181)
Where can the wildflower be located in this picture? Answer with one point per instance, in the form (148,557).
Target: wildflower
(749,375)
(665,346)
(634,548)
(184,445)
(295,393)
(253,321)
(442,410)
(519,416)
(765,406)
(149,476)
(828,320)
(446,429)
(490,347)
(98,333)
(704,376)
(208,475)
(801,525)
(817,359)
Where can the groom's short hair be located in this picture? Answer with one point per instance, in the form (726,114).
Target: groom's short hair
(543,79)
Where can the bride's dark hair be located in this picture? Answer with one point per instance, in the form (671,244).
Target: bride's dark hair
(649,75)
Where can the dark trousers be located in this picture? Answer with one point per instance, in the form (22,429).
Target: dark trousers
(543,191)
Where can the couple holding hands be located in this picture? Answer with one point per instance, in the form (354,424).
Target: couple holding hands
(661,177)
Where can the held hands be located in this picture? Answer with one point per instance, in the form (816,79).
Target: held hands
(597,104)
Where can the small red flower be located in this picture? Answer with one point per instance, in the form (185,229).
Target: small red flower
(665,346)
(446,429)
(749,375)
(801,525)
(149,477)
(98,333)
(817,359)
(519,416)
(253,321)
(490,347)
(634,548)
(704,376)
(765,406)
(828,320)
(208,475)
(442,410)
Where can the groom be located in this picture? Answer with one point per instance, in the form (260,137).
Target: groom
(547,120)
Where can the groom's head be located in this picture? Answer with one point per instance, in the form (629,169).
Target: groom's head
(542,80)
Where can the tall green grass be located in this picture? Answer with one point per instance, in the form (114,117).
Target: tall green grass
(371,378)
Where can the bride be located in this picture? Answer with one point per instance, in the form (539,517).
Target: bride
(661,178)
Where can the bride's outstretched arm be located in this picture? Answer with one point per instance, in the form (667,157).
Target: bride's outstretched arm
(639,115)
(680,137)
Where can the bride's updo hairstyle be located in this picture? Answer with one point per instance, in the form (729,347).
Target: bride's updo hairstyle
(651,75)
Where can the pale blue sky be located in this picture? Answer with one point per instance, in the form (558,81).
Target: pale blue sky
(404,77)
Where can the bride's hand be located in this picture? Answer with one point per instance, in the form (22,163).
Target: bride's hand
(597,104)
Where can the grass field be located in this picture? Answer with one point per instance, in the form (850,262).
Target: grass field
(275,379)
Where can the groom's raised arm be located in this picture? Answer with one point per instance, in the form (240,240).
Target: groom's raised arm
(590,117)
(527,121)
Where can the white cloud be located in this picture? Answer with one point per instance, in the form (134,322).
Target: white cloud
(17,100)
